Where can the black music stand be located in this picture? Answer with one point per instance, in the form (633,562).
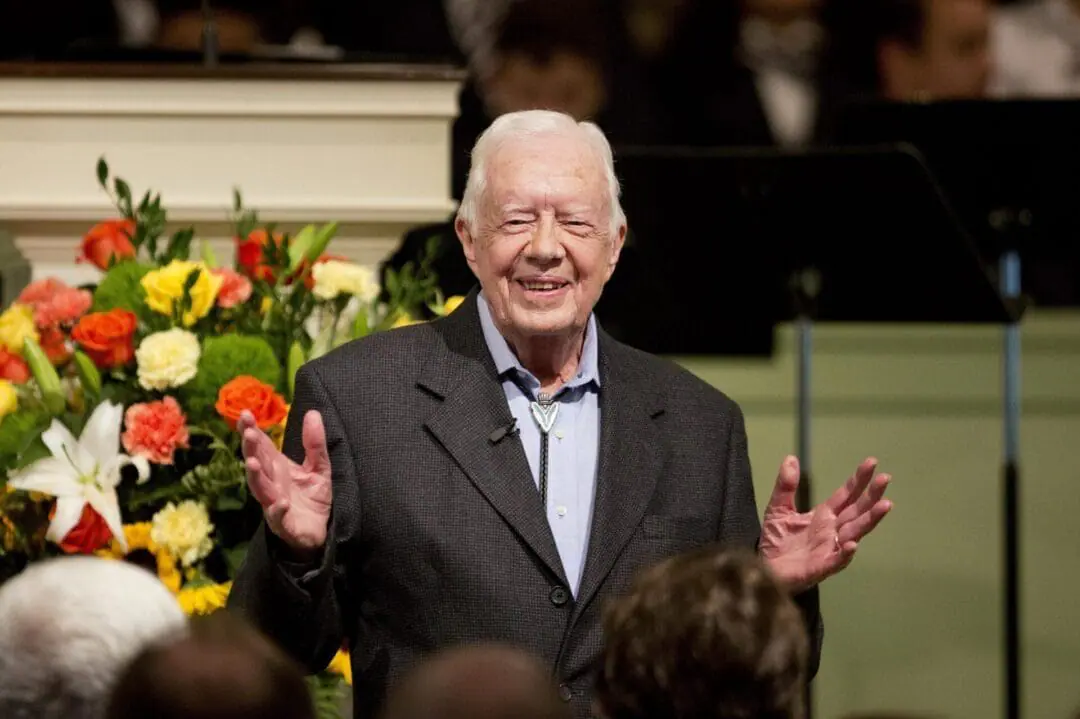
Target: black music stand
(1011,167)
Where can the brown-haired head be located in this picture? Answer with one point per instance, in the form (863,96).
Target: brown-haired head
(705,634)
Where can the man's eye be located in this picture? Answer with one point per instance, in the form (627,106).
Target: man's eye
(577,223)
(515,223)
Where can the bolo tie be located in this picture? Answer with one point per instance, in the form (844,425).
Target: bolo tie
(544,411)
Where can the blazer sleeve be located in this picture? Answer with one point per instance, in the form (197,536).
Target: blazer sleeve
(301,606)
(739,526)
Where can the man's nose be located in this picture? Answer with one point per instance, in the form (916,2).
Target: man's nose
(545,245)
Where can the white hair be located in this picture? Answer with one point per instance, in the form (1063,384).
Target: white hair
(534,123)
(69,627)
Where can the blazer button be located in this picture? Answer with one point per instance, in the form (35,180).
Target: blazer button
(559,596)
(565,692)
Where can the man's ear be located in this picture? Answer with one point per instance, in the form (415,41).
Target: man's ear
(616,249)
(468,242)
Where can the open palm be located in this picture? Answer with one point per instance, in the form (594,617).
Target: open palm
(804,548)
(295,498)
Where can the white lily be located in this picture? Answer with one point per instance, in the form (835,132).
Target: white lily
(83,471)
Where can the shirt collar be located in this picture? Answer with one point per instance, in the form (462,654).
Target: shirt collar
(506,361)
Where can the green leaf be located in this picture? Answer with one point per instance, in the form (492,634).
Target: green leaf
(35,451)
(296,360)
(237,200)
(234,557)
(299,246)
(102,171)
(322,240)
(207,253)
(228,504)
(360,326)
(89,375)
(393,286)
(123,195)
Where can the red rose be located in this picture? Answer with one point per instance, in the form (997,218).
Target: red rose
(106,240)
(13,368)
(88,536)
(249,255)
(107,337)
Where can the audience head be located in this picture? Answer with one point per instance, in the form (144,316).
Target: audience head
(69,626)
(705,635)
(541,202)
(223,669)
(477,682)
(543,62)
(933,49)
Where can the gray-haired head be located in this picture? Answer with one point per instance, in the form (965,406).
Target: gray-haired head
(532,123)
(68,628)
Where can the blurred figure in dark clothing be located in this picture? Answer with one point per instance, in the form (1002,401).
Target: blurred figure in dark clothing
(412,30)
(760,72)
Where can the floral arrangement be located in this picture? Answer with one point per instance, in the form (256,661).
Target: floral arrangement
(118,401)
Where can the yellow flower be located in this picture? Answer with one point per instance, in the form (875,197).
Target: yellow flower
(342,666)
(452,303)
(265,305)
(205,599)
(9,398)
(16,324)
(167,359)
(277,432)
(404,321)
(334,277)
(166,286)
(184,531)
(138,537)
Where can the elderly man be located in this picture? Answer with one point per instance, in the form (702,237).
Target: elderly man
(495,475)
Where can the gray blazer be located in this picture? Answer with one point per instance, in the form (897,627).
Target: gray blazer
(437,533)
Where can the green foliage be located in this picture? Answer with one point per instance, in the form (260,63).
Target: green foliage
(223,359)
(328,691)
(120,288)
(413,288)
(18,433)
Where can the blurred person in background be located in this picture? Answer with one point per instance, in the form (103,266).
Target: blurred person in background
(238,23)
(709,633)
(480,681)
(933,49)
(1037,49)
(758,72)
(223,669)
(69,627)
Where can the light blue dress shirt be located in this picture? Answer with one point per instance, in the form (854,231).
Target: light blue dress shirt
(574,441)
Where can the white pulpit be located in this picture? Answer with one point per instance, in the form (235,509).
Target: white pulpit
(364,145)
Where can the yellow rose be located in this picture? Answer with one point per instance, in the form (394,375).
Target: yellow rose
(167,359)
(334,277)
(183,530)
(166,286)
(9,398)
(16,324)
(205,599)
(452,303)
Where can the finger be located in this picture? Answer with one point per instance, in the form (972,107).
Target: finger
(275,515)
(868,499)
(256,444)
(262,487)
(853,488)
(787,484)
(865,523)
(316,454)
(247,420)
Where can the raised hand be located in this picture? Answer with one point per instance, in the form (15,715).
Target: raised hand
(295,497)
(804,548)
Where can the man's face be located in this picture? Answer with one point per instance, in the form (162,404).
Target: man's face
(542,246)
(955,58)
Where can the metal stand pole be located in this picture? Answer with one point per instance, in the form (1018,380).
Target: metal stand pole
(1010,288)
(804,337)
(210,45)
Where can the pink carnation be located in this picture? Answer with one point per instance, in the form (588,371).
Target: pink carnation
(155,430)
(235,288)
(55,303)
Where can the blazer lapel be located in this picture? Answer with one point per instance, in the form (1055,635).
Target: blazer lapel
(630,463)
(467,424)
